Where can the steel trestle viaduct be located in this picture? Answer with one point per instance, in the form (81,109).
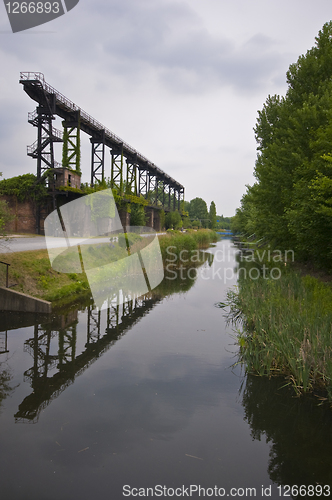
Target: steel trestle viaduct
(130,172)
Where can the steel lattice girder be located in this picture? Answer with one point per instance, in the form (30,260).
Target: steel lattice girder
(97,157)
(71,151)
(42,149)
(131,177)
(143,182)
(117,173)
(35,86)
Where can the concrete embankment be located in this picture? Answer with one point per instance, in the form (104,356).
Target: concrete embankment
(10,300)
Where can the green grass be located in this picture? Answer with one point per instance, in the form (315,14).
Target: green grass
(286,329)
(31,272)
(182,248)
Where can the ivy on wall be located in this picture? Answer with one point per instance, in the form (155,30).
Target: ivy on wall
(24,187)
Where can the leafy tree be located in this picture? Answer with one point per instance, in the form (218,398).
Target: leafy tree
(223,222)
(213,215)
(173,220)
(196,223)
(137,215)
(162,219)
(186,222)
(186,206)
(198,210)
(291,200)
(23,187)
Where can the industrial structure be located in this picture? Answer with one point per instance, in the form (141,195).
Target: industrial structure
(130,173)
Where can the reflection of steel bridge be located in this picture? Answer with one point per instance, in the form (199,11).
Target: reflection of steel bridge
(56,361)
(130,172)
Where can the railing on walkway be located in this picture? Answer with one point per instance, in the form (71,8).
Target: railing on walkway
(7,272)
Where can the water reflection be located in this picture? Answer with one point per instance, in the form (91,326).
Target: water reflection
(158,405)
(53,348)
(59,356)
(298,429)
(5,386)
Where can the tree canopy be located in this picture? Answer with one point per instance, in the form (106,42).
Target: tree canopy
(197,209)
(291,201)
(213,215)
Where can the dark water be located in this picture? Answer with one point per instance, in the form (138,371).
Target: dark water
(94,405)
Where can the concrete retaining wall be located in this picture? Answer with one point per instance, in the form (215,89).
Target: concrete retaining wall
(11,300)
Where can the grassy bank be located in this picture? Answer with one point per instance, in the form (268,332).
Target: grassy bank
(286,327)
(32,273)
(182,248)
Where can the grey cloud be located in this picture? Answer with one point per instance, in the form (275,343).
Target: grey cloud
(173,42)
(168,39)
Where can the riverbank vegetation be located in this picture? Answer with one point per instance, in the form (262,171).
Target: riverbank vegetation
(287,321)
(290,204)
(175,245)
(286,324)
(30,272)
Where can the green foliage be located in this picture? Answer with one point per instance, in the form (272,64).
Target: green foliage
(191,242)
(213,215)
(102,206)
(5,217)
(128,239)
(24,187)
(198,210)
(223,222)
(291,201)
(162,219)
(286,328)
(204,237)
(137,215)
(173,220)
(74,151)
(196,224)
(186,223)
(5,385)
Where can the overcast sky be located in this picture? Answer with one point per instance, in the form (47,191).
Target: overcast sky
(179,80)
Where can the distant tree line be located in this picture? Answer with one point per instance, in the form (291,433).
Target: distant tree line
(290,204)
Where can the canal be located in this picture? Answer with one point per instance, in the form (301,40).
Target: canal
(146,400)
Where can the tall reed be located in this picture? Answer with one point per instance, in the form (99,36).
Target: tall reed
(286,328)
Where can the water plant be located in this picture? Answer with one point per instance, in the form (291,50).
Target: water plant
(286,329)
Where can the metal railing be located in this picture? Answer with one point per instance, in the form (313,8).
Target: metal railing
(85,117)
(7,272)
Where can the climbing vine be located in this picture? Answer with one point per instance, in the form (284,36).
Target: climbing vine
(24,187)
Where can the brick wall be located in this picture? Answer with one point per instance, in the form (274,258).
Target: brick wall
(24,215)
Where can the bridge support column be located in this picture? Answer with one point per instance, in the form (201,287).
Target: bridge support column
(131,177)
(153,218)
(143,182)
(156,222)
(150,217)
(117,169)
(42,149)
(98,158)
(124,218)
(71,150)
